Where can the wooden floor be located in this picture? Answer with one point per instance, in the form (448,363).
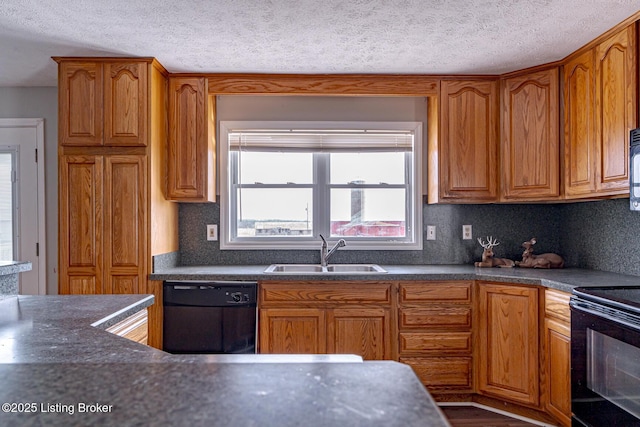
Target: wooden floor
(469,416)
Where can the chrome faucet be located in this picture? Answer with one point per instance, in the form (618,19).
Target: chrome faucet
(324,254)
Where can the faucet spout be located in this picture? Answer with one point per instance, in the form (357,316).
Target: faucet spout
(326,254)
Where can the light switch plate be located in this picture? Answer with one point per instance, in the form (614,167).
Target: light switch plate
(431,232)
(212,232)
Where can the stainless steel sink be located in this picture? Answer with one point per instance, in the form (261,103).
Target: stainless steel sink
(330,269)
(355,268)
(294,268)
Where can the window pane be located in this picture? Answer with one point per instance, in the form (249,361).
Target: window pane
(275,168)
(6,208)
(371,168)
(270,212)
(368,212)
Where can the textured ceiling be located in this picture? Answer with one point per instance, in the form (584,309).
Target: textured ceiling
(301,36)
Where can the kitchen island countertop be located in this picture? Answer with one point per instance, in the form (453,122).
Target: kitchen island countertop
(60,367)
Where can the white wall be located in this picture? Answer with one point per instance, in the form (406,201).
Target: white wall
(41,102)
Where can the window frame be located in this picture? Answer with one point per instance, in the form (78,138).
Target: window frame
(413,207)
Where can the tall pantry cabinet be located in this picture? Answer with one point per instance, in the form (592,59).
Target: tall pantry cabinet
(113,215)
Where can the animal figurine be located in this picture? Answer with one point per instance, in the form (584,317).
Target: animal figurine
(487,255)
(529,260)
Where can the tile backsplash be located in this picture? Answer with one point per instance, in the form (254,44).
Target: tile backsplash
(510,224)
(602,235)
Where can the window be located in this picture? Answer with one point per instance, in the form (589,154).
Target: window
(7,200)
(288,182)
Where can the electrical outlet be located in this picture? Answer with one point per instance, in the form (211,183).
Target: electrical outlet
(466,232)
(212,232)
(431,232)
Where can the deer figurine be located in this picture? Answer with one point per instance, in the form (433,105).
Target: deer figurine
(487,255)
(529,260)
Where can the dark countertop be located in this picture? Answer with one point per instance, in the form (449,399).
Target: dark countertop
(172,394)
(562,279)
(56,357)
(70,328)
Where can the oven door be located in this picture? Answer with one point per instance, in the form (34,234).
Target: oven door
(605,366)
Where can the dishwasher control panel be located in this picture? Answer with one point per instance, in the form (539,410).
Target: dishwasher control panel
(210,294)
(238,297)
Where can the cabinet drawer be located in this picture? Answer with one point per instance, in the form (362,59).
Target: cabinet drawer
(436,291)
(556,304)
(442,372)
(438,316)
(432,342)
(325,292)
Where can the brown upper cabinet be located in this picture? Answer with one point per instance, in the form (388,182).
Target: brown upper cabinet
(530,137)
(467,150)
(600,107)
(103,103)
(191,163)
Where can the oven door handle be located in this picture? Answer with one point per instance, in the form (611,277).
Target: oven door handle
(610,314)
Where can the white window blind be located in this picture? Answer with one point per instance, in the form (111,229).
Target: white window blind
(321,141)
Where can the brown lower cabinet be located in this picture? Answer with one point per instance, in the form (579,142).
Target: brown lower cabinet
(293,330)
(435,334)
(508,359)
(327,317)
(500,344)
(134,327)
(556,394)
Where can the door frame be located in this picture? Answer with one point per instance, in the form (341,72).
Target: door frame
(38,125)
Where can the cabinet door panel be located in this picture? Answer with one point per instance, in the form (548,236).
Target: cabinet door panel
(469,166)
(125,221)
(509,341)
(78,285)
(579,130)
(365,332)
(120,284)
(81,212)
(615,108)
(558,370)
(126,104)
(80,103)
(292,331)
(530,141)
(190,150)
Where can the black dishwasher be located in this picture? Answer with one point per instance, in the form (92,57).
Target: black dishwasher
(209,317)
